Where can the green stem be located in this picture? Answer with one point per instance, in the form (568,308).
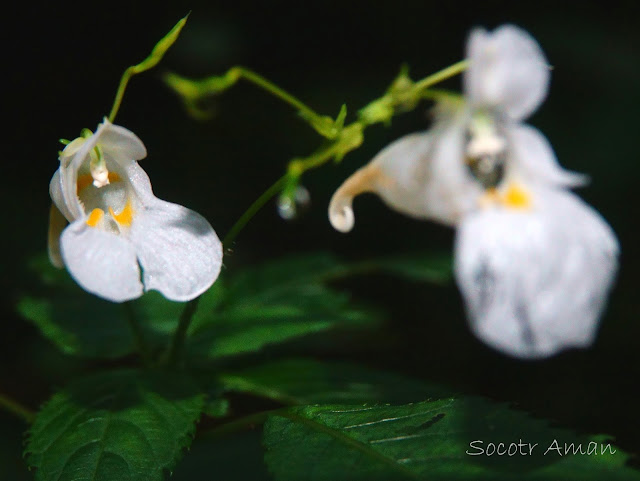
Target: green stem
(272,88)
(138,336)
(176,346)
(441,75)
(148,63)
(253,210)
(14,407)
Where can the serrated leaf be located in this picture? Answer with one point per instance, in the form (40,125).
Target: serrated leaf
(273,303)
(307,381)
(123,426)
(428,440)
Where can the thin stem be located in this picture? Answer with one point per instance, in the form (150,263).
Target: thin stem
(176,347)
(253,210)
(272,88)
(136,330)
(148,63)
(441,75)
(14,407)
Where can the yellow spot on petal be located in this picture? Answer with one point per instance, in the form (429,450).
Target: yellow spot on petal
(516,197)
(95,217)
(125,217)
(86,180)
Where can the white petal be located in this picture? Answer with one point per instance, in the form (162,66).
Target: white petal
(117,143)
(103,263)
(177,248)
(57,223)
(57,196)
(531,157)
(123,145)
(451,190)
(536,282)
(507,71)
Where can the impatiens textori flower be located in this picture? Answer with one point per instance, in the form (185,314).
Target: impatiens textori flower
(533,262)
(121,240)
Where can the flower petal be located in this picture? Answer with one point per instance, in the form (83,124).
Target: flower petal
(507,71)
(178,250)
(57,223)
(117,143)
(57,195)
(103,263)
(532,158)
(535,282)
(397,174)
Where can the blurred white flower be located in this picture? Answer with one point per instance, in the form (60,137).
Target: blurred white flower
(534,263)
(122,240)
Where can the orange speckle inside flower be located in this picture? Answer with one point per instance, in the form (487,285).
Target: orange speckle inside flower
(86,180)
(125,217)
(95,217)
(516,197)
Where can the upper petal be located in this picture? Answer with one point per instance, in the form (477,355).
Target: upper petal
(103,263)
(117,143)
(535,282)
(178,250)
(531,157)
(507,71)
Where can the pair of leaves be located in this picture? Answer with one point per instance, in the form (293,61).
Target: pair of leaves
(269,304)
(430,440)
(133,425)
(124,425)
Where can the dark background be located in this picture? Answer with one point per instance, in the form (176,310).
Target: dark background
(61,66)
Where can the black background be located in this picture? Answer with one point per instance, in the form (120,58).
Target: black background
(61,66)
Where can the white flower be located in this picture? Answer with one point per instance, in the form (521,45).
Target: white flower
(441,174)
(122,240)
(534,263)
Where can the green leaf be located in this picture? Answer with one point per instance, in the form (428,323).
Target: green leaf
(269,304)
(81,324)
(274,303)
(123,426)
(427,440)
(307,381)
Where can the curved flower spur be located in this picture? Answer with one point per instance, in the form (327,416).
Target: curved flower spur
(534,263)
